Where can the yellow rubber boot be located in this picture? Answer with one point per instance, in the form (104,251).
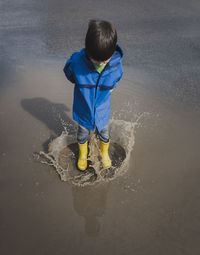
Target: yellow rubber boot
(104,154)
(82,158)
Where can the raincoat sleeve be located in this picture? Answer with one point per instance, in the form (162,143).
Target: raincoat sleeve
(118,78)
(69,71)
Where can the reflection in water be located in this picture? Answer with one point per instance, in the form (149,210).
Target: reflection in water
(90,203)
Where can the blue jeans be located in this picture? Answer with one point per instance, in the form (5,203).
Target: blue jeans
(83,134)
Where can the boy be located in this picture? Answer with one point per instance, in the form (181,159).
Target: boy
(94,70)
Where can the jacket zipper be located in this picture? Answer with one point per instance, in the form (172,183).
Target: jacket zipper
(97,84)
(97,87)
(99,79)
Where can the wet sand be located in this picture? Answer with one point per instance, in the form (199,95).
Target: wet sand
(154,207)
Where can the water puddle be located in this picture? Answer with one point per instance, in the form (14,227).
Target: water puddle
(63,155)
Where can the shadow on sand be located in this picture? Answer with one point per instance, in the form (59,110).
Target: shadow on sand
(53,115)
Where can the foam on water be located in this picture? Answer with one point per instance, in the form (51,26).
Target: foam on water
(63,154)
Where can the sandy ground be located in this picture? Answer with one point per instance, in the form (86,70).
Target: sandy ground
(154,208)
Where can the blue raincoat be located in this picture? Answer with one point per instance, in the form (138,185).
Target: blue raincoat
(92,94)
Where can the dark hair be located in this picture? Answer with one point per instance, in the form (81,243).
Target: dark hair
(100,40)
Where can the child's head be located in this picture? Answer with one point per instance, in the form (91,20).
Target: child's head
(100,40)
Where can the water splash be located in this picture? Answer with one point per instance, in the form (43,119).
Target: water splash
(63,154)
